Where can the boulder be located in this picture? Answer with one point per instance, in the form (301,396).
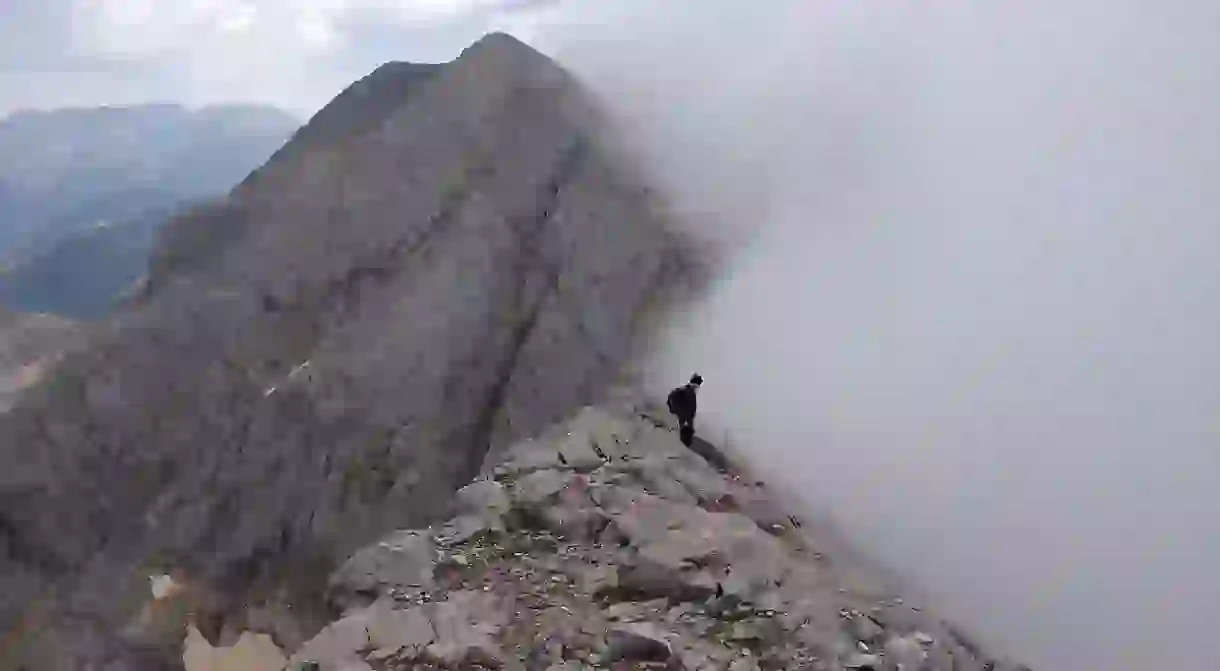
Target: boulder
(402,561)
(466,627)
(637,643)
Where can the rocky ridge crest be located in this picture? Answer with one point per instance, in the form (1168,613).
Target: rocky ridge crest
(606,544)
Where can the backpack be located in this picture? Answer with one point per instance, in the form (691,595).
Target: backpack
(677,400)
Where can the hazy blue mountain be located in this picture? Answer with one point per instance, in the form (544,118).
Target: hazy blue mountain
(83,272)
(91,185)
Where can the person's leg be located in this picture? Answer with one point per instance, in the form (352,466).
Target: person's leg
(686,430)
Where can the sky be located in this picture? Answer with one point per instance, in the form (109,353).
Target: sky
(973,305)
(296,54)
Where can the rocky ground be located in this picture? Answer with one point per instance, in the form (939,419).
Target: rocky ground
(607,544)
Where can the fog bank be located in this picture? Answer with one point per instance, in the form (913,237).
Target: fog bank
(974,309)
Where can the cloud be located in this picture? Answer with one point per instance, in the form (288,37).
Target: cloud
(294,53)
(133,27)
(972,309)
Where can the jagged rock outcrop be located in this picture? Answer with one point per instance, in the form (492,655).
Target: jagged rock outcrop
(326,355)
(607,544)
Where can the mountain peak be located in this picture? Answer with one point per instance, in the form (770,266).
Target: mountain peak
(505,50)
(500,40)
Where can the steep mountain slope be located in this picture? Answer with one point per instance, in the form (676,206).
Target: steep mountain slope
(66,173)
(327,355)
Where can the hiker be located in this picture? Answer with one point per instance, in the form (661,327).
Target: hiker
(682,404)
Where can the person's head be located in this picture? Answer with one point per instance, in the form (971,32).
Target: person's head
(696,380)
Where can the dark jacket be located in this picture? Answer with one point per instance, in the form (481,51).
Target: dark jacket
(682,402)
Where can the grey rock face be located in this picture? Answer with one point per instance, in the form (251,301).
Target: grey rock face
(329,353)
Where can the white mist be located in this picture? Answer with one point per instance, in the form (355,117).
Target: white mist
(974,305)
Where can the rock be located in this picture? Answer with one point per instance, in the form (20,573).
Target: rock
(538,488)
(382,655)
(939,657)
(649,580)
(404,560)
(598,579)
(664,485)
(483,498)
(461,529)
(593,438)
(339,645)
(527,456)
(466,627)
(904,653)
(678,536)
(251,652)
(622,611)
(753,631)
(639,643)
(757,504)
(723,606)
(863,661)
(704,484)
(451,632)
(398,629)
(578,520)
(696,660)
(864,628)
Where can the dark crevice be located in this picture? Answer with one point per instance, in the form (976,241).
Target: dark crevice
(18,547)
(495,398)
(530,229)
(383,265)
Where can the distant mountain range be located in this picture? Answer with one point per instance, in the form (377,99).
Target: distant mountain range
(82,191)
